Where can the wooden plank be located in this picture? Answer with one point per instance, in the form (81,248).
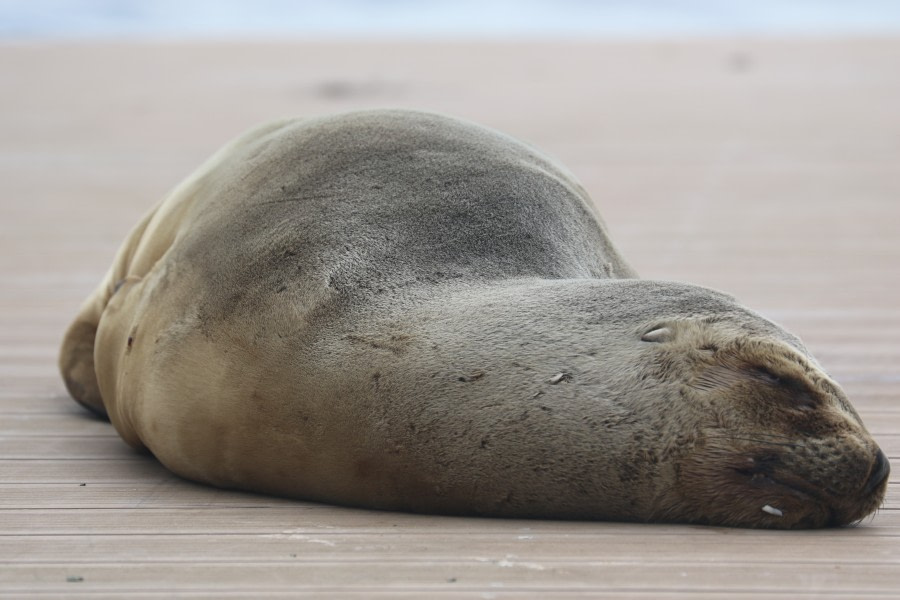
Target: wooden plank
(53,425)
(890,444)
(494,594)
(510,574)
(63,448)
(44,384)
(417,546)
(136,468)
(165,492)
(17,402)
(298,517)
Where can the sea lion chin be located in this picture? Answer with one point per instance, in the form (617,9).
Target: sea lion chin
(404,311)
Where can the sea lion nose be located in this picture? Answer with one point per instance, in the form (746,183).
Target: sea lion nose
(880,472)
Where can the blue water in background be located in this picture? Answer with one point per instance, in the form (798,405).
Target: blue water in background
(66,19)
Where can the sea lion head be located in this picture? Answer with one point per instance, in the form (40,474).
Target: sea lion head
(773,440)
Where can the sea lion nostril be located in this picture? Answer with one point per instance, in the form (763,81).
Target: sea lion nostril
(879,473)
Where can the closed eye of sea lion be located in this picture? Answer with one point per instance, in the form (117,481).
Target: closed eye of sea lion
(405,311)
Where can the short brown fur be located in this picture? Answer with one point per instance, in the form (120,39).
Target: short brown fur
(405,311)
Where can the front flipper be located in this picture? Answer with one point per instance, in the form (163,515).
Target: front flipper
(76,361)
(76,356)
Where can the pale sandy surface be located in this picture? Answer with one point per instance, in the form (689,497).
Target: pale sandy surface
(767,169)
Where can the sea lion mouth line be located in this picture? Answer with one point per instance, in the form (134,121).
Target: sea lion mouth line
(763,480)
(813,500)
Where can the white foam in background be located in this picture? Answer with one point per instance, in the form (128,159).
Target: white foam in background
(41,19)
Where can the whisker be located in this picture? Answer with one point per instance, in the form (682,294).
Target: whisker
(755,440)
(776,435)
(772,435)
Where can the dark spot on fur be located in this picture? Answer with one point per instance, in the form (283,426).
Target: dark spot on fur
(396,344)
(131,337)
(363,468)
(472,377)
(629,471)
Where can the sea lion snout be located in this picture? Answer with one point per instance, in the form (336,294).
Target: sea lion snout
(879,473)
(831,481)
(780,445)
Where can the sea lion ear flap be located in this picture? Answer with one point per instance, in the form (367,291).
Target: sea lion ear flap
(658,334)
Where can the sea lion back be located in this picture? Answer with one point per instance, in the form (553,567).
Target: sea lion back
(373,201)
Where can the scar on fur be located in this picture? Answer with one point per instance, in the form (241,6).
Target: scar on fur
(560,377)
(472,377)
(660,334)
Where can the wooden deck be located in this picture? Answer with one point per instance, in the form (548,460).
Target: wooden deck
(767,169)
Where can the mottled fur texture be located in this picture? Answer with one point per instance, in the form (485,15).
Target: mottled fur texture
(406,311)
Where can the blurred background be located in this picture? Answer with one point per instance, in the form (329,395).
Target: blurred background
(30,19)
(708,132)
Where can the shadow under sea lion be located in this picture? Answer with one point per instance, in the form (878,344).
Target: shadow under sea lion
(400,310)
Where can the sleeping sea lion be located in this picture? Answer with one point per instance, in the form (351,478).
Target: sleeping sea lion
(400,310)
